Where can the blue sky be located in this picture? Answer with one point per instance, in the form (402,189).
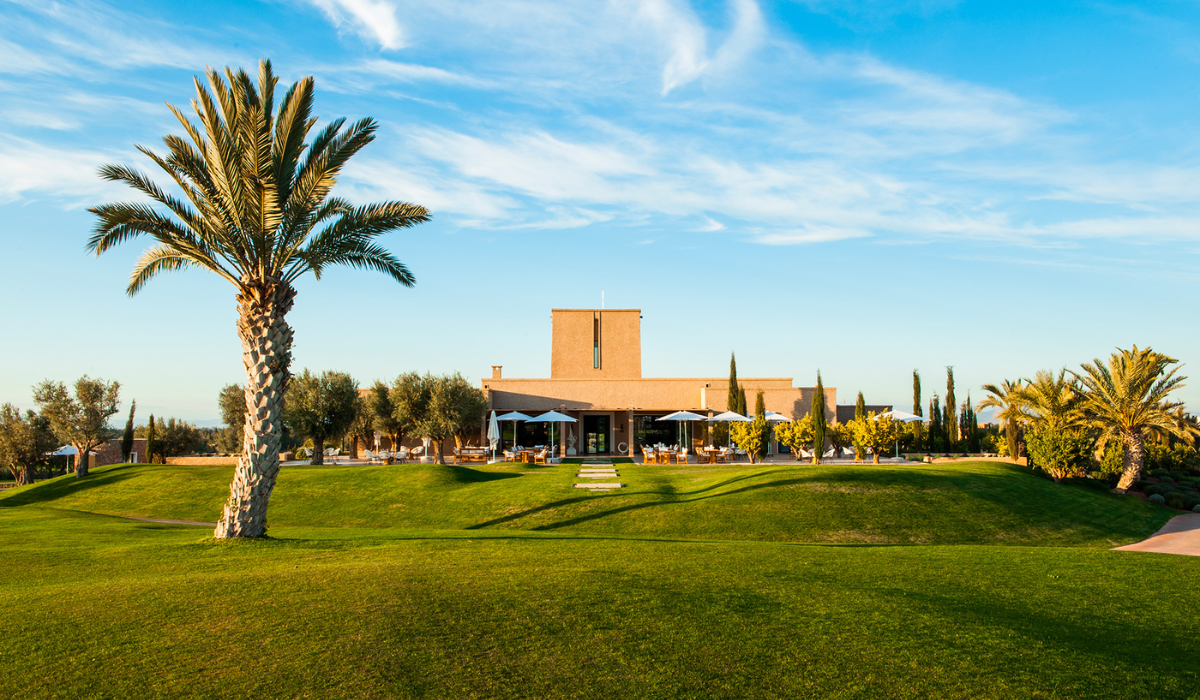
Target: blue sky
(862,188)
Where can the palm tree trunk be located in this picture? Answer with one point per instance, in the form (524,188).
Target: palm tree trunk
(1133,458)
(267,354)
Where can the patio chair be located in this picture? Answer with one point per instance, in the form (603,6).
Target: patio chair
(370,456)
(722,456)
(648,456)
(539,457)
(682,456)
(331,454)
(416,452)
(509,456)
(401,455)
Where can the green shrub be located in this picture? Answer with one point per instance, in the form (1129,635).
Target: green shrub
(1196,509)
(1176,501)
(1157,498)
(1190,503)
(1142,484)
(1151,489)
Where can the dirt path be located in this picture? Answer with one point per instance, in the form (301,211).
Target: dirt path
(1181,535)
(170,522)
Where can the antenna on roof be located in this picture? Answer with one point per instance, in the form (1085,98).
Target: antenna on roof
(602,300)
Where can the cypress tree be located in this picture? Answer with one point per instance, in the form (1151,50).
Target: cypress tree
(860,408)
(731,402)
(818,414)
(951,421)
(935,423)
(127,439)
(741,406)
(760,406)
(150,441)
(917,394)
(760,414)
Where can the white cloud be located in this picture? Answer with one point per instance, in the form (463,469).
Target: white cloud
(371,19)
(28,168)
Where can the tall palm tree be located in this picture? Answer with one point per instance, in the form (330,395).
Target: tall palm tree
(257,211)
(1127,400)
(1053,401)
(1007,399)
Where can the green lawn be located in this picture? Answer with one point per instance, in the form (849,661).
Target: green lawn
(979,580)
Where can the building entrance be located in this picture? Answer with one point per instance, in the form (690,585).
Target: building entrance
(595,435)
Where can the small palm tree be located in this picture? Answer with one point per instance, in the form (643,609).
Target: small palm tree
(1127,400)
(1052,401)
(257,211)
(1007,399)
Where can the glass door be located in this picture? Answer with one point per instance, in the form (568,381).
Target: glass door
(595,434)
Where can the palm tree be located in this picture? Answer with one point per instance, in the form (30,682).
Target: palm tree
(1053,402)
(1007,399)
(1127,400)
(257,211)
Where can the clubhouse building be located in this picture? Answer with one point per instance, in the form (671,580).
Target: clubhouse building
(596,378)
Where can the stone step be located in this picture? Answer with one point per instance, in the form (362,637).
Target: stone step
(597,471)
(600,486)
(595,476)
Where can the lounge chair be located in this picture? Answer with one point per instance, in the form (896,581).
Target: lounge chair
(539,457)
(416,452)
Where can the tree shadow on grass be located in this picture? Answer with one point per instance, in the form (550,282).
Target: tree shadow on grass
(63,486)
(668,492)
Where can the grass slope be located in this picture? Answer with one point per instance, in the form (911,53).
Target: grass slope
(430,582)
(930,504)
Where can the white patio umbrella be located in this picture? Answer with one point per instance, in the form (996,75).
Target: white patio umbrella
(552,417)
(774,417)
(493,434)
(514,416)
(682,416)
(66,450)
(901,417)
(729,417)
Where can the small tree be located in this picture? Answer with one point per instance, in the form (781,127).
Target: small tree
(860,407)
(876,433)
(734,396)
(80,420)
(1061,452)
(321,407)
(741,401)
(840,436)
(232,404)
(937,436)
(750,436)
(383,413)
(24,442)
(172,437)
(127,439)
(151,441)
(950,420)
(455,406)
(797,435)
(818,414)
(411,393)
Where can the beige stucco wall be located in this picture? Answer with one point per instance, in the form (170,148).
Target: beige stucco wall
(693,394)
(571,350)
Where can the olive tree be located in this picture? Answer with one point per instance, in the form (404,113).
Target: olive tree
(321,407)
(24,442)
(877,433)
(80,420)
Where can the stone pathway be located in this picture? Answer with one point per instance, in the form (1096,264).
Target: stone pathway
(1181,535)
(170,522)
(593,470)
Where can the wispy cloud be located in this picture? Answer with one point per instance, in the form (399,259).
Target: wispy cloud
(374,20)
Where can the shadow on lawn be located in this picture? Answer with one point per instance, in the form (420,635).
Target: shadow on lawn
(60,487)
(669,491)
(1030,500)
